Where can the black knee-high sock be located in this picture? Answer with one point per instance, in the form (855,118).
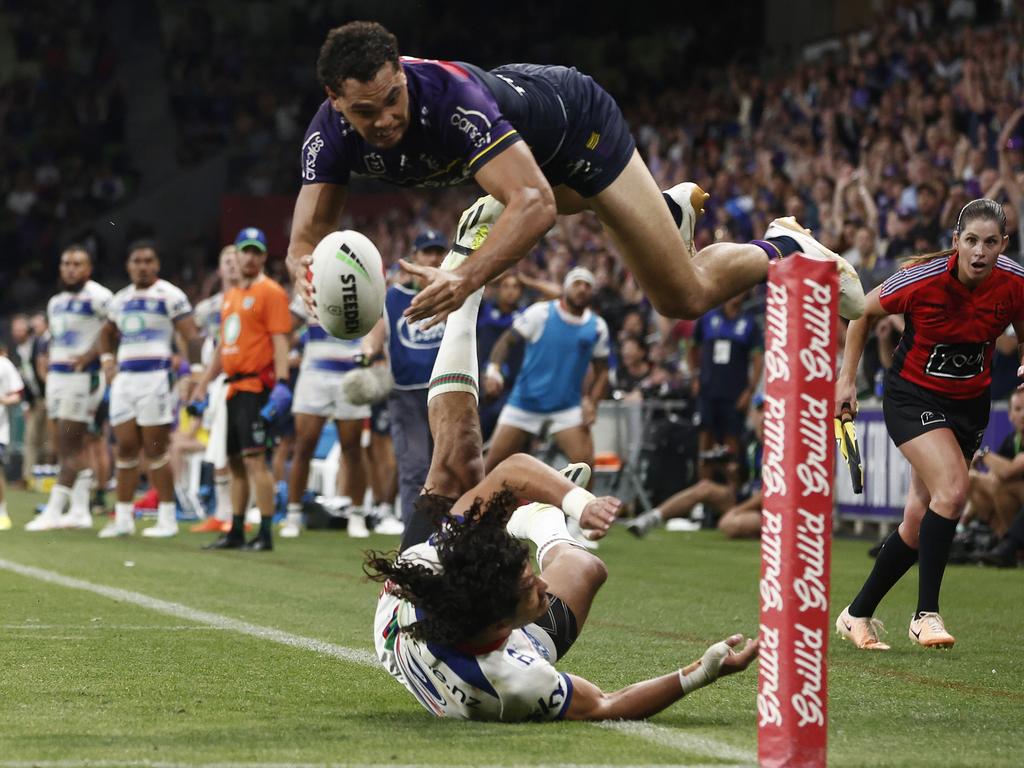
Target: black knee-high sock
(936,537)
(894,559)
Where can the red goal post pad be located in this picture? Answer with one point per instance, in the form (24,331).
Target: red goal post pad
(797,471)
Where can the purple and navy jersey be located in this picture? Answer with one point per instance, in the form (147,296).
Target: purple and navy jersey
(460,118)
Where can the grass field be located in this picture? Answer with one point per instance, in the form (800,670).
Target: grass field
(129,652)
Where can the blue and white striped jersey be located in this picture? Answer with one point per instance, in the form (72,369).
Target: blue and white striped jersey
(75,320)
(145,318)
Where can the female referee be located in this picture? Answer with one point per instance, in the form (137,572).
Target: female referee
(936,403)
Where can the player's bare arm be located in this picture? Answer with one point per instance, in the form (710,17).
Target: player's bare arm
(856,338)
(494,381)
(533,480)
(281,346)
(514,179)
(107,344)
(647,698)
(318,209)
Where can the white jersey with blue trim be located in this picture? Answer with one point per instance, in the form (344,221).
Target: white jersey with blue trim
(75,320)
(145,317)
(513,682)
(323,352)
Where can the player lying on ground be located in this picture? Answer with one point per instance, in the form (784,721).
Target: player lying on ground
(463,620)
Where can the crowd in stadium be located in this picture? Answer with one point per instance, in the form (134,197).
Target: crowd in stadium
(874,143)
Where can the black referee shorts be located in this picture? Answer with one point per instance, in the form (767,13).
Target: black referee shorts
(911,410)
(247,430)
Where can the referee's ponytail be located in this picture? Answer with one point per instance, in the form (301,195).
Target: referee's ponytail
(982,208)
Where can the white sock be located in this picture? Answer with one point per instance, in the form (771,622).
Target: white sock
(542,524)
(385,510)
(124,513)
(3,509)
(294,512)
(81,489)
(456,368)
(167,513)
(222,491)
(60,498)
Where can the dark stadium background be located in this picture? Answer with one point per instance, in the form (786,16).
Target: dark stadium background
(146,118)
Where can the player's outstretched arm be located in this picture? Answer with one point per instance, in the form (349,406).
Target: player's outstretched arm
(856,338)
(643,699)
(318,208)
(515,180)
(533,480)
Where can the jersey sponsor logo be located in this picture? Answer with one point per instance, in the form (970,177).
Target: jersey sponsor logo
(931,417)
(311,149)
(412,336)
(466,120)
(956,361)
(232,328)
(1002,311)
(248,302)
(374,163)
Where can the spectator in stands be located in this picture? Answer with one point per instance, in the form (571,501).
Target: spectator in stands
(996,481)
(563,339)
(727,353)
(633,369)
(738,500)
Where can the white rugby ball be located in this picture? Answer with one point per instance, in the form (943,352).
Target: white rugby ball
(348,282)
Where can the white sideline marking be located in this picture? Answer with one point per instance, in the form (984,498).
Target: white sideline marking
(656,734)
(364,658)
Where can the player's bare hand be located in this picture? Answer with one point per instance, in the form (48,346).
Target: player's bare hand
(441,292)
(303,285)
(1020,375)
(739,660)
(493,387)
(846,398)
(599,515)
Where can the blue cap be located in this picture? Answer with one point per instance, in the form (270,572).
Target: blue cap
(251,237)
(758,399)
(430,238)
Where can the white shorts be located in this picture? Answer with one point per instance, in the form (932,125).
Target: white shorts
(74,396)
(318,393)
(143,396)
(531,422)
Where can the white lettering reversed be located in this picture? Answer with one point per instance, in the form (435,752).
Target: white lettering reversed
(810,664)
(772,463)
(816,357)
(312,147)
(813,471)
(771,556)
(809,586)
(776,358)
(769,709)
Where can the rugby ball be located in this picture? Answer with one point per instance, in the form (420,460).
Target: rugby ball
(348,283)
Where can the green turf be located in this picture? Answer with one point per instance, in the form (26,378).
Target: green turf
(88,678)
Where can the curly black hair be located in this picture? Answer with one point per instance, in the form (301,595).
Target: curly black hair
(480,580)
(358,50)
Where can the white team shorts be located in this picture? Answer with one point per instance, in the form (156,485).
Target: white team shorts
(531,422)
(74,396)
(320,394)
(144,396)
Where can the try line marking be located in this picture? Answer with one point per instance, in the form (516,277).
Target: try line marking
(655,734)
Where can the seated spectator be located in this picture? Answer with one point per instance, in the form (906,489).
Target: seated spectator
(633,369)
(738,501)
(1006,554)
(996,489)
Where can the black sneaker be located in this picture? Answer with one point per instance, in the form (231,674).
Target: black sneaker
(227,541)
(260,544)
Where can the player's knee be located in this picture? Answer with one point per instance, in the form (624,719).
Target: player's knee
(727,525)
(682,305)
(951,498)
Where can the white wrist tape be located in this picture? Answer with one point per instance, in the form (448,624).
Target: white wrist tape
(106,356)
(494,372)
(707,670)
(575,501)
